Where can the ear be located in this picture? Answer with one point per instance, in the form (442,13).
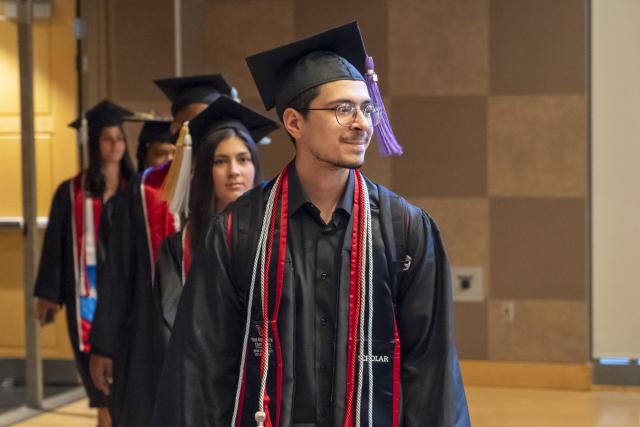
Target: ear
(293,122)
(174,127)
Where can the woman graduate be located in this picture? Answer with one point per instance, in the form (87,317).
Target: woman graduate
(226,165)
(70,252)
(155,147)
(122,342)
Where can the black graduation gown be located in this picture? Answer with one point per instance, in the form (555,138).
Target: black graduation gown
(201,368)
(167,290)
(100,327)
(125,328)
(56,276)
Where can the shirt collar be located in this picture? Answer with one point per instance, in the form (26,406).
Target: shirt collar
(298,197)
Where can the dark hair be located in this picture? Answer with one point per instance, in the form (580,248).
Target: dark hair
(300,103)
(141,155)
(95,183)
(202,204)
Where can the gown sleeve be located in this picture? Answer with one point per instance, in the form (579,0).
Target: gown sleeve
(198,381)
(112,307)
(168,279)
(167,290)
(50,280)
(432,389)
(100,327)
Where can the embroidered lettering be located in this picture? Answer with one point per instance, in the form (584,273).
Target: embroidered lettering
(375,359)
(257,346)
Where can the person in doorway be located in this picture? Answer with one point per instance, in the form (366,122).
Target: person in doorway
(69,265)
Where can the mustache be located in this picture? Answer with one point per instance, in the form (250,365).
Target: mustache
(356,137)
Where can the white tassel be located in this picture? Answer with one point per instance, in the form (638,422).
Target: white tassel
(84,142)
(178,202)
(175,188)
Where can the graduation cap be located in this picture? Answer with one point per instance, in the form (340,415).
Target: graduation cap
(103,114)
(283,73)
(155,130)
(223,113)
(183,91)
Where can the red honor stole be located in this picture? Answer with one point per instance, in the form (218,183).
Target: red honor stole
(377,363)
(186,254)
(85,213)
(160,223)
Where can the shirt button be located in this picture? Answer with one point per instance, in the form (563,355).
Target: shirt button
(323,367)
(324,276)
(323,321)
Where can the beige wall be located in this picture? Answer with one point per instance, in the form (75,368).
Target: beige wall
(488,100)
(56,158)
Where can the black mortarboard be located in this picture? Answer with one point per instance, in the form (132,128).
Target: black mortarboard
(155,131)
(104,114)
(285,72)
(183,91)
(223,113)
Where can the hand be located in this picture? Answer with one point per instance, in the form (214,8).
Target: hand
(101,369)
(46,311)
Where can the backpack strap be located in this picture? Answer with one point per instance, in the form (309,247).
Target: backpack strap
(394,226)
(243,226)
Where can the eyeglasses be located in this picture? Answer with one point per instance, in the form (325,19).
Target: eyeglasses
(346,113)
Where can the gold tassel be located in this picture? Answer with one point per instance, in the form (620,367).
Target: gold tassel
(176,183)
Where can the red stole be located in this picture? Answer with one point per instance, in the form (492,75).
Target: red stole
(186,254)
(84,273)
(160,223)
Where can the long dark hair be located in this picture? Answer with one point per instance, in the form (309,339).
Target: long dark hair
(95,182)
(202,204)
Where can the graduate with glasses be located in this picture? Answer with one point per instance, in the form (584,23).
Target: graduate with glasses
(320,298)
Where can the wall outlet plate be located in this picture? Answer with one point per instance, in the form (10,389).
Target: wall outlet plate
(468,284)
(507,311)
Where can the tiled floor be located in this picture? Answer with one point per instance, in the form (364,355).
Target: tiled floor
(12,397)
(490,407)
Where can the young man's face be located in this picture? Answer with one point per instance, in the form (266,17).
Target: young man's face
(328,141)
(159,152)
(185,114)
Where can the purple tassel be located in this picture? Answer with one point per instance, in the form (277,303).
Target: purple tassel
(387,142)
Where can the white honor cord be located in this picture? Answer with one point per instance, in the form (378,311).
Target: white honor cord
(370,281)
(264,348)
(361,359)
(261,242)
(366,282)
